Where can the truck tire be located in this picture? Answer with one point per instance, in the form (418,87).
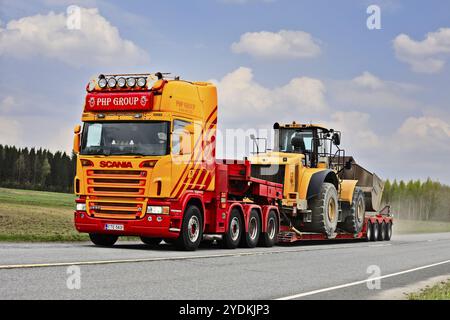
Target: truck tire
(232,236)
(375,231)
(251,237)
(353,214)
(269,238)
(151,241)
(325,211)
(388,234)
(191,232)
(103,240)
(382,231)
(369,231)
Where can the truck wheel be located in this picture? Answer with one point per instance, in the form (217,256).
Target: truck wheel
(269,238)
(325,211)
(191,230)
(151,241)
(251,237)
(353,214)
(369,231)
(103,240)
(375,231)
(388,234)
(232,237)
(382,232)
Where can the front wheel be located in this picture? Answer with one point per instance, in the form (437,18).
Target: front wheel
(325,211)
(191,230)
(103,240)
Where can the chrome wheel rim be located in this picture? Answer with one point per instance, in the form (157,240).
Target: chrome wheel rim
(253,228)
(271,228)
(193,229)
(234,228)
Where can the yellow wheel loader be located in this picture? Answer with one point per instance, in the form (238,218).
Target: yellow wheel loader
(324,191)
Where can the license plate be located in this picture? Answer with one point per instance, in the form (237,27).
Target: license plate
(115,227)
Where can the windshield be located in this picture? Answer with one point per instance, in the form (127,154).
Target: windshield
(296,141)
(125,138)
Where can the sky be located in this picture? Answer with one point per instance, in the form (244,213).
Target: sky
(386,89)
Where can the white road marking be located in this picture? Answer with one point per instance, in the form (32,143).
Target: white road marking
(174,258)
(351,284)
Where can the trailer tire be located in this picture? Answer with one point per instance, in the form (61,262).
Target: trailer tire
(382,232)
(103,240)
(269,238)
(232,236)
(191,232)
(325,211)
(388,234)
(151,241)
(251,237)
(369,231)
(375,232)
(353,214)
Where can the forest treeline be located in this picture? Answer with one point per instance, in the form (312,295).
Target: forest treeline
(40,169)
(36,169)
(418,200)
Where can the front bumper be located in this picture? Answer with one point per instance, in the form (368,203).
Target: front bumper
(151,225)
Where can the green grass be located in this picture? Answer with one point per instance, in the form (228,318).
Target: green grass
(440,291)
(412,226)
(37,216)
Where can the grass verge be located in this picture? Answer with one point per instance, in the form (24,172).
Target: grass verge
(440,291)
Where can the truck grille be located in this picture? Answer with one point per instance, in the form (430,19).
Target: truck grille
(116,182)
(116,208)
(272,173)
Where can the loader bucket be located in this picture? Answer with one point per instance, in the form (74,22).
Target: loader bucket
(369,182)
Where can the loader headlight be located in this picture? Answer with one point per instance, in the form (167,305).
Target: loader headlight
(81,207)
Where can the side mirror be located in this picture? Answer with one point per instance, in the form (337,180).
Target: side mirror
(76,139)
(252,137)
(336,139)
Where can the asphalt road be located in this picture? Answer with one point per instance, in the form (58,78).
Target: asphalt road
(337,270)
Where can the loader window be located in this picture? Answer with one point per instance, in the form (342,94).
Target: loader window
(296,141)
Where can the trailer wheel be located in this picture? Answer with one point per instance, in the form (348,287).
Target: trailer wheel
(103,240)
(382,232)
(269,238)
(369,231)
(375,232)
(232,236)
(325,211)
(251,237)
(191,230)
(151,241)
(353,214)
(388,234)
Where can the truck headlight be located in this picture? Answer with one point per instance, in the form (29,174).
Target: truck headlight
(157,210)
(81,207)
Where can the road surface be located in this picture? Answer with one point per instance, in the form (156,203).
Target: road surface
(131,270)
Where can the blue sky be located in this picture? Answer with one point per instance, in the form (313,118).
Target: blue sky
(387,89)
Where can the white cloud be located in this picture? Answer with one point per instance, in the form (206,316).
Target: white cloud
(283,44)
(369,92)
(96,43)
(426,56)
(245,102)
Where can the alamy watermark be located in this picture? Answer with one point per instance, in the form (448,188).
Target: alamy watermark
(73,282)
(73,20)
(374,19)
(374,281)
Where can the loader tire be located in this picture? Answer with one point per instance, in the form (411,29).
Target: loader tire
(325,211)
(353,214)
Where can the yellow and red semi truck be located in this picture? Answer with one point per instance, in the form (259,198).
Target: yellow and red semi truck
(146,167)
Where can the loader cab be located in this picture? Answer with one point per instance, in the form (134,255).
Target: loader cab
(313,141)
